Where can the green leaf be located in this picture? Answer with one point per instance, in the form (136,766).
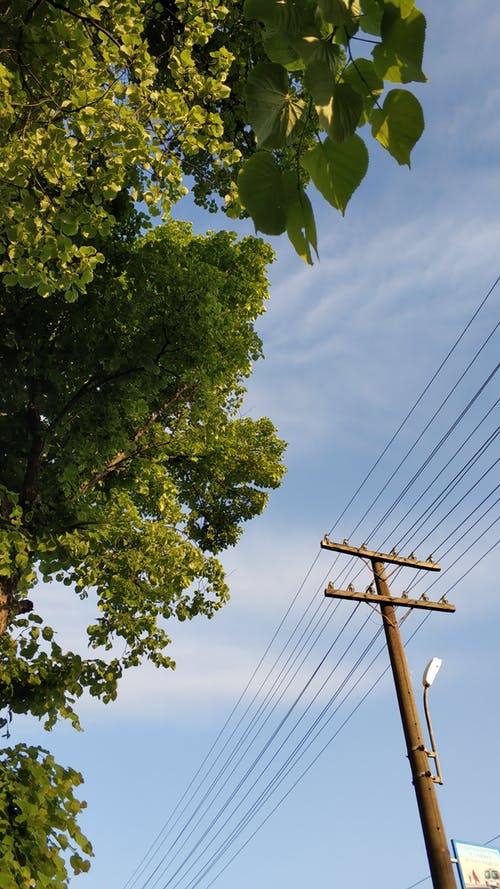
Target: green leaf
(312,47)
(295,18)
(399,57)
(337,170)
(279,50)
(273,111)
(261,191)
(399,124)
(334,11)
(319,82)
(322,61)
(371,17)
(405,6)
(347,106)
(69,226)
(261,10)
(340,12)
(292,18)
(300,224)
(363,78)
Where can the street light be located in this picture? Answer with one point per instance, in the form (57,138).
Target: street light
(431,671)
(428,678)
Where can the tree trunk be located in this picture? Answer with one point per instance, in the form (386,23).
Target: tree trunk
(5,603)
(9,606)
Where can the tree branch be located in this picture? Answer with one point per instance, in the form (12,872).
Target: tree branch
(92,383)
(123,456)
(29,491)
(86,19)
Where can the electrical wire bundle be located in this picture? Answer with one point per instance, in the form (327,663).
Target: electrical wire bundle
(325,657)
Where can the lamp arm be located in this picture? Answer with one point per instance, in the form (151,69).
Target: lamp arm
(438,778)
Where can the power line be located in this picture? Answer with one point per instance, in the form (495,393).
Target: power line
(163,832)
(487,843)
(415,404)
(431,484)
(440,443)
(435,450)
(458,559)
(237,746)
(297,754)
(222,810)
(445,492)
(313,762)
(426,427)
(439,499)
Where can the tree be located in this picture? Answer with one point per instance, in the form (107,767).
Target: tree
(125,467)
(101,102)
(124,458)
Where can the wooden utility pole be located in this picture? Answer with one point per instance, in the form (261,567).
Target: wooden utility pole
(423,779)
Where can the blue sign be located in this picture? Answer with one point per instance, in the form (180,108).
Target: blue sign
(478,866)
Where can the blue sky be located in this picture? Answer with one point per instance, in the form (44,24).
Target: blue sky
(349,346)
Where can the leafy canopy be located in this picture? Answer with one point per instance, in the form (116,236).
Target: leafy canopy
(312,95)
(38,813)
(126,466)
(125,469)
(102,103)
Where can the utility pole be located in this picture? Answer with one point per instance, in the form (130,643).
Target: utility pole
(423,780)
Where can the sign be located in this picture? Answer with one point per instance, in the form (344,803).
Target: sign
(478,866)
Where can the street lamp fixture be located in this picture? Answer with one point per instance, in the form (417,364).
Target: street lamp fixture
(428,678)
